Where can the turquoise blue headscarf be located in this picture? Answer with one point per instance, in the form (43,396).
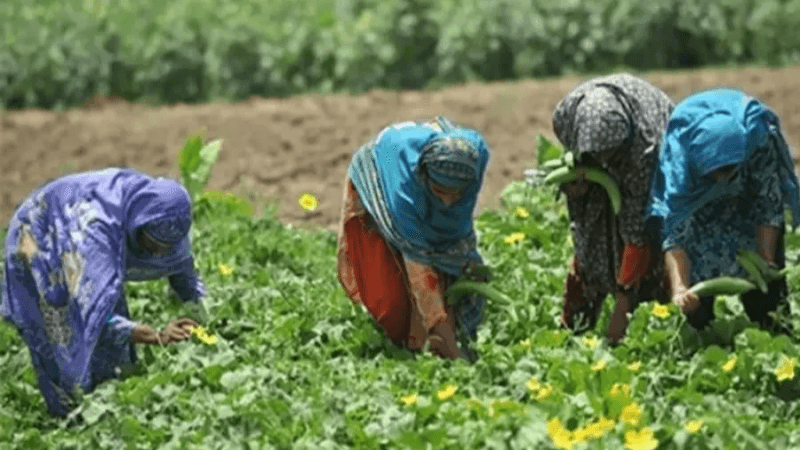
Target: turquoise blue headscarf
(388,174)
(706,132)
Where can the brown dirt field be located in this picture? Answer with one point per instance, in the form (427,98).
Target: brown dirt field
(280,148)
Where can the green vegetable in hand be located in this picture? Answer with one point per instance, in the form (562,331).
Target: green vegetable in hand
(565,175)
(465,287)
(722,286)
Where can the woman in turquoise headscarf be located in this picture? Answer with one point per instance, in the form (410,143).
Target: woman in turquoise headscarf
(70,247)
(407,231)
(724,177)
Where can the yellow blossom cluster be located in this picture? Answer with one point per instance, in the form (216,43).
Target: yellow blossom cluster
(590,342)
(660,311)
(202,335)
(308,202)
(522,212)
(225,270)
(785,370)
(620,390)
(514,238)
(565,439)
(538,390)
(447,393)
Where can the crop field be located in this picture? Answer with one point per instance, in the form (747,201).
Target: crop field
(298,366)
(292,88)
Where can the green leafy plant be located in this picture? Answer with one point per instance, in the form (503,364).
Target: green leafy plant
(195,161)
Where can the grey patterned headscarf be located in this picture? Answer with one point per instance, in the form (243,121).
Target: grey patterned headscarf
(609,113)
(617,122)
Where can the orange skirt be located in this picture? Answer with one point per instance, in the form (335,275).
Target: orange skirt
(405,298)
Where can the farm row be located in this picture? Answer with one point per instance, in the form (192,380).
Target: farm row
(58,54)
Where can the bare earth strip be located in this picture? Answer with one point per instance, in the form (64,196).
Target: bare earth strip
(281,148)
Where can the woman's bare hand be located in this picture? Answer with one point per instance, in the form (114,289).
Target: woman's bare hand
(443,341)
(619,319)
(687,300)
(177,330)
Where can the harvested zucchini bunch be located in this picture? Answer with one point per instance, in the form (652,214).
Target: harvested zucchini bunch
(561,170)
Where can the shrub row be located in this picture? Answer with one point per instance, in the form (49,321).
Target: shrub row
(58,54)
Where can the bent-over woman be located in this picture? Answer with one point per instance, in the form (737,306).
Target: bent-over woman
(407,231)
(724,179)
(70,247)
(614,123)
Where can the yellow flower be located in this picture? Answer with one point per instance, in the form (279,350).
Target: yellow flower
(526,344)
(631,414)
(599,365)
(606,424)
(693,426)
(620,390)
(562,437)
(581,434)
(446,393)
(521,212)
(202,335)
(594,430)
(635,366)
(590,342)
(641,440)
(225,269)
(308,202)
(533,384)
(786,370)
(538,390)
(660,311)
(515,238)
(544,392)
(410,399)
(730,365)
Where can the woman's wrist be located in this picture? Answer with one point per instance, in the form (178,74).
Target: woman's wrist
(680,290)
(145,334)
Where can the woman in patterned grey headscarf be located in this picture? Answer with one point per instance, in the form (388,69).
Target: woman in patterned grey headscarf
(613,122)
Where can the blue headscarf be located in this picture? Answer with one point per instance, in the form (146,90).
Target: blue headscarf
(706,132)
(389,172)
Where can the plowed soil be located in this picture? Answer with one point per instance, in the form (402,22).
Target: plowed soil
(278,149)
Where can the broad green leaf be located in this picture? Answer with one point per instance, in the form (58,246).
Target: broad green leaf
(92,412)
(196,161)
(189,162)
(546,150)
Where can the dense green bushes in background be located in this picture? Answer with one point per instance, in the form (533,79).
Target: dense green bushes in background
(61,53)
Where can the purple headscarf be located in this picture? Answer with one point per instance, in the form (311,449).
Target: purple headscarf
(163,208)
(69,249)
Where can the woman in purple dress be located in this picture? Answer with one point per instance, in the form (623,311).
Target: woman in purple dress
(69,249)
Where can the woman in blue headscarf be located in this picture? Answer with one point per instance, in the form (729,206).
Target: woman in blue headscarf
(69,249)
(407,231)
(724,177)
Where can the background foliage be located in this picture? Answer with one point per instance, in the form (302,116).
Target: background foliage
(61,53)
